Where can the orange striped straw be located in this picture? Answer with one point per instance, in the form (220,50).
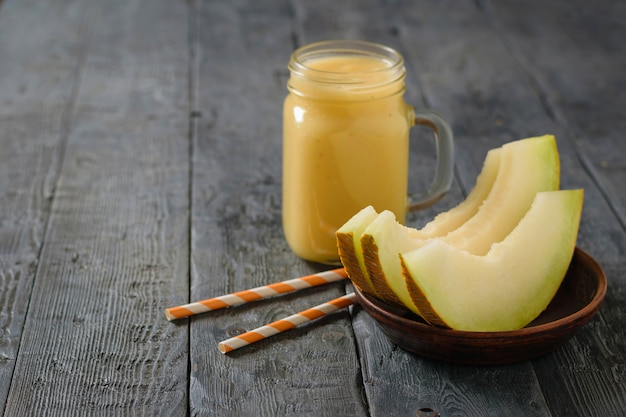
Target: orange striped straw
(287,323)
(254,294)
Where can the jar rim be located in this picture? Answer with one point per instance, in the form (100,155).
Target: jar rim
(298,61)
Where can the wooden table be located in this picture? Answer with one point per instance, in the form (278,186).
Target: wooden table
(140,168)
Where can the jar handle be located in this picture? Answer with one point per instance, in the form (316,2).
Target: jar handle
(444,173)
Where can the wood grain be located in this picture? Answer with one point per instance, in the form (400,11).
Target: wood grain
(38,78)
(140,168)
(584,110)
(116,247)
(582,88)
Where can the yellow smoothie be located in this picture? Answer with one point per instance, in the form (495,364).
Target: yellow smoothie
(345,146)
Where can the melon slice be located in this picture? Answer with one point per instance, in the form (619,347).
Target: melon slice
(525,167)
(381,246)
(449,220)
(350,253)
(509,286)
(384,238)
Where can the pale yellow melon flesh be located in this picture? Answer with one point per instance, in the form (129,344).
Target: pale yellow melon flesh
(503,193)
(381,243)
(349,235)
(349,246)
(509,286)
(449,220)
(384,238)
(527,166)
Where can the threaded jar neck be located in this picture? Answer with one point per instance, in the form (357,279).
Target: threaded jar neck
(346,71)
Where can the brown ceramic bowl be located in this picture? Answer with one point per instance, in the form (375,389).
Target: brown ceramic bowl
(576,302)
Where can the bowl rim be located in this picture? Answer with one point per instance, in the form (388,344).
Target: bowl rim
(584,313)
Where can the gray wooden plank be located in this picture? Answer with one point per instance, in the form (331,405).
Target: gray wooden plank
(583,85)
(116,249)
(399,383)
(237,242)
(39,60)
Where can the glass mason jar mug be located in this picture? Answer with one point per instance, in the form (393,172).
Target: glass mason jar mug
(346,143)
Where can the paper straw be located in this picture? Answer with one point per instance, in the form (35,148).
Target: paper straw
(254,294)
(287,323)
